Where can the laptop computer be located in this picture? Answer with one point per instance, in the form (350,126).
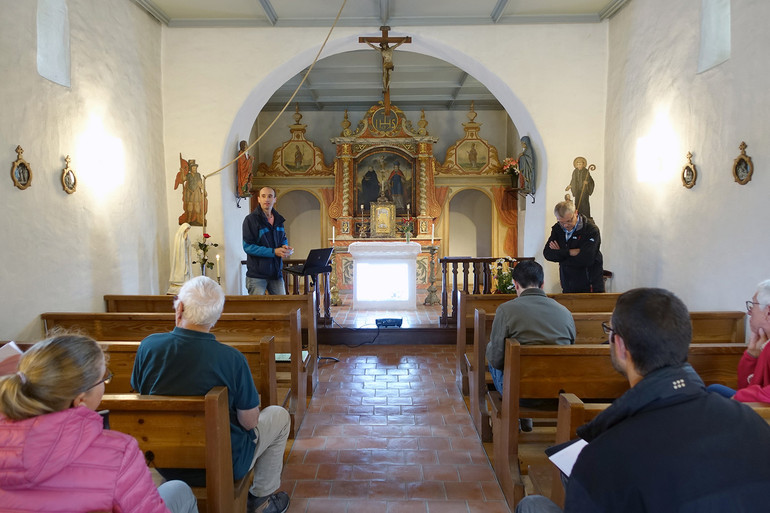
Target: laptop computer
(315,262)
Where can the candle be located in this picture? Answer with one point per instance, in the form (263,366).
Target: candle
(333,231)
(432,230)
(218,266)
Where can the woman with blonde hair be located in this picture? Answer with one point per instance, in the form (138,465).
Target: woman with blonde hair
(53,447)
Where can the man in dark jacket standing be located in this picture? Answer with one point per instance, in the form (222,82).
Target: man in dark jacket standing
(667,444)
(265,244)
(574,244)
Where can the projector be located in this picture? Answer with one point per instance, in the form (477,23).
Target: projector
(384,323)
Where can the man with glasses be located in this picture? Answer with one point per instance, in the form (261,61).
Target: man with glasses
(667,444)
(574,245)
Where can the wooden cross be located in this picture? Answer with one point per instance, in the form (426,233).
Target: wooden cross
(387,58)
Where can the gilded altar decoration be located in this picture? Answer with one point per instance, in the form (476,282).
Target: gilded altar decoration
(689,173)
(471,154)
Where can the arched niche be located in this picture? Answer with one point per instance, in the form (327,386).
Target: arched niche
(303,227)
(470,224)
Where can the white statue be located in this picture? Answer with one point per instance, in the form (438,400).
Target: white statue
(181,265)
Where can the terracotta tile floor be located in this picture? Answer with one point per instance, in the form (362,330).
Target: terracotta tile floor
(388,432)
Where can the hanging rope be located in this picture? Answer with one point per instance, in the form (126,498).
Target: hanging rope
(288,102)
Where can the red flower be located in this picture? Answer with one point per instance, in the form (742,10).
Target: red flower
(206,235)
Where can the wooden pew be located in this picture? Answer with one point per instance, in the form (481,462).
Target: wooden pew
(231,327)
(307,303)
(545,371)
(467,303)
(572,414)
(185,432)
(259,355)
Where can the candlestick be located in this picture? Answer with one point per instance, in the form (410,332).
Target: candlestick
(432,228)
(333,231)
(218,266)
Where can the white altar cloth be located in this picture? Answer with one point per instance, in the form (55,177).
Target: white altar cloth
(384,274)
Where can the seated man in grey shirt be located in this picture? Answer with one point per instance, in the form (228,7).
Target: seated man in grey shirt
(531,318)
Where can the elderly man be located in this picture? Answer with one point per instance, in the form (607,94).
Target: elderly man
(574,244)
(754,367)
(667,444)
(190,361)
(531,318)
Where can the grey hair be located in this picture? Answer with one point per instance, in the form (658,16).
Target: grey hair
(203,301)
(564,208)
(763,293)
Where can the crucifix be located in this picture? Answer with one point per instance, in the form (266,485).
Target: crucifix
(387,58)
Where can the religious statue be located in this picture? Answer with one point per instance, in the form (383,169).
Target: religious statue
(193,197)
(527,165)
(581,185)
(245,163)
(181,266)
(386,51)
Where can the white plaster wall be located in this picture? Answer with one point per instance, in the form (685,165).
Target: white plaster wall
(551,79)
(64,252)
(705,244)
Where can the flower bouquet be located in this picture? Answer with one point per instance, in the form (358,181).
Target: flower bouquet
(511,167)
(407,227)
(502,272)
(203,247)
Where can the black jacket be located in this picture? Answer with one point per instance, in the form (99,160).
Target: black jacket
(583,272)
(668,445)
(260,239)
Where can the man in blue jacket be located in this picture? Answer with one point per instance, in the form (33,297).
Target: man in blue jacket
(265,244)
(667,444)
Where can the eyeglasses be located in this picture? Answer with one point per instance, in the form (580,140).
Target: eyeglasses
(750,305)
(609,330)
(106,379)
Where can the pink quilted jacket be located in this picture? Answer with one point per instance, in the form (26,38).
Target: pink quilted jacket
(66,462)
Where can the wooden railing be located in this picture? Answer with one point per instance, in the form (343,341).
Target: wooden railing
(302,285)
(478,268)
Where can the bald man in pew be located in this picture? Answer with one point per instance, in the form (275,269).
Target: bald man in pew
(190,361)
(667,444)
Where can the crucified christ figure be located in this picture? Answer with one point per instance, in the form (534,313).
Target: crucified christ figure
(387,61)
(386,51)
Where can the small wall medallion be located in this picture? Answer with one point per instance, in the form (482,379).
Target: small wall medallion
(21,173)
(743,168)
(689,173)
(69,181)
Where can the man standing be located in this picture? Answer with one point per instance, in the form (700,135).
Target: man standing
(574,244)
(190,361)
(265,244)
(531,318)
(666,444)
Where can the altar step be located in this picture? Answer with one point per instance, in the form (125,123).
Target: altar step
(419,326)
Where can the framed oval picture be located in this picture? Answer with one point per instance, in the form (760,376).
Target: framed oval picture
(21,173)
(69,181)
(689,173)
(743,167)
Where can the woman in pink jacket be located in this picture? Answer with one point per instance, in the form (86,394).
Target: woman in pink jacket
(55,454)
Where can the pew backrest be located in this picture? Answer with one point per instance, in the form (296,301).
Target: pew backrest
(259,355)
(184,432)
